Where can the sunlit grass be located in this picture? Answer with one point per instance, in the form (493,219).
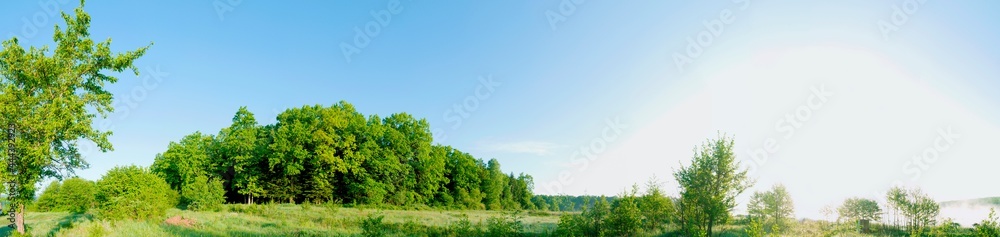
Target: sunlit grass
(265,220)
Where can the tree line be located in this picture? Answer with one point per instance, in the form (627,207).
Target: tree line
(335,154)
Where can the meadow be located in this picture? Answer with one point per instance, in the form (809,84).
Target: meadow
(335,220)
(283,220)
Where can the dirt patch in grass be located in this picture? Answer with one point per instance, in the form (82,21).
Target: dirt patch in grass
(180,221)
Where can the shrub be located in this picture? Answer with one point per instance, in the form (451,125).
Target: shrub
(571,225)
(989,227)
(509,226)
(50,199)
(626,218)
(371,226)
(203,194)
(463,227)
(131,192)
(77,195)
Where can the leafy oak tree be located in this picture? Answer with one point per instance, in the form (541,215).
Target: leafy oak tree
(48,102)
(709,186)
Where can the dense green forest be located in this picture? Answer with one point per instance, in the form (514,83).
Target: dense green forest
(336,154)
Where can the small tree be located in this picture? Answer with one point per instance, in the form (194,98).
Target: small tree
(48,102)
(626,217)
(855,209)
(918,209)
(709,186)
(657,208)
(203,194)
(772,207)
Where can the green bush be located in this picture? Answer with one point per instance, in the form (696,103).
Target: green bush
(509,226)
(131,192)
(463,227)
(74,195)
(626,218)
(50,200)
(990,226)
(371,226)
(571,225)
(77,195)
(203,194)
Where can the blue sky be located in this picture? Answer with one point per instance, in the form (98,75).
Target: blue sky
(567,68)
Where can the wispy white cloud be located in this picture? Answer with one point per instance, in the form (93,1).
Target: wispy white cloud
(525,147)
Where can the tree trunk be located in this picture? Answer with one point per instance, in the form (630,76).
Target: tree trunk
(19,219)
(710,228)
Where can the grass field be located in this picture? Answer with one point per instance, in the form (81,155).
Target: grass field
(315,220)
(268,220)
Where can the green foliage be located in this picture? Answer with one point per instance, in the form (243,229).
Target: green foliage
(131,192)
(509,225)
(625,218)
(709,186)
(50,200)
(75,195)
(657,208)
(241,154)
(989,227)
(78,194)
(947,228)
(203,193)
(336,154)
(372,226)
(855,209)
(918,210)
(773,208)
(48,102)
(185,161)
(463,227)
(755,228)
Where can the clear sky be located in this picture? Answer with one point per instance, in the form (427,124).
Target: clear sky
(840,96)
